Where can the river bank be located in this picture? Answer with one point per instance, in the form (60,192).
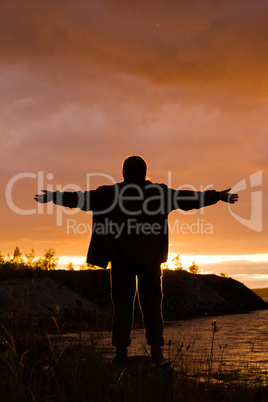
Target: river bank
(38,365)
(85,295)
(231,348)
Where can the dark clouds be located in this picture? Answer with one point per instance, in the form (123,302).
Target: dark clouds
(198,43)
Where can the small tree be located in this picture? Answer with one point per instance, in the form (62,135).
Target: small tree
(194,268)
(177,262)
(49,261)
(30,257)
(70,266)
(17,256)
(2,260)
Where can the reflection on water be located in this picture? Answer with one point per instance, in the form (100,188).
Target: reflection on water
(239,342)
(234,349)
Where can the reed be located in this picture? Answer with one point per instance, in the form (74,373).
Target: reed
(35,366)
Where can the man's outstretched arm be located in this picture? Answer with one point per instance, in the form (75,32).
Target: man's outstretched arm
(66,199)
(228,197)
(186,200)
(44,198)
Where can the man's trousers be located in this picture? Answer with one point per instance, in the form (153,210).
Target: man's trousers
(123,283)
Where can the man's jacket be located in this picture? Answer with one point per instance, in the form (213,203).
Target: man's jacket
(130,221)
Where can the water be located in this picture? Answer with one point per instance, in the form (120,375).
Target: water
(234,349)
(237,346)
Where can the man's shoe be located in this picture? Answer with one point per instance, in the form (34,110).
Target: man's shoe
(120,358)
(157,357)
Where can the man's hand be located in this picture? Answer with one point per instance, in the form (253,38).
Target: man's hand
(228,197)
(44,198)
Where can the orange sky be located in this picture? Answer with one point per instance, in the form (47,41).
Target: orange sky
(85,84)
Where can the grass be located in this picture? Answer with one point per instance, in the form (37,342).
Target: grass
(35,366)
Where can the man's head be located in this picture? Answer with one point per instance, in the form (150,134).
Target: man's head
(134,169)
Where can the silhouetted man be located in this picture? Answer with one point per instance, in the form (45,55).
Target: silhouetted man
(130,229)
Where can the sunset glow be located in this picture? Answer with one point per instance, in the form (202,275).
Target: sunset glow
(235,266)
(85,84)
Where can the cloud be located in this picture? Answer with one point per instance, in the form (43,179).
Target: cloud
(252,274)
(180,129)
(239,267)
(193,43)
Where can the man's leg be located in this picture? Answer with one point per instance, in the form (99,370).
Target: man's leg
(150,297)
(123,290)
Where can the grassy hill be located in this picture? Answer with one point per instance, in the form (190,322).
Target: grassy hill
(185,295)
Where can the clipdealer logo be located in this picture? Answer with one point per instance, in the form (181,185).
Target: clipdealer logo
(254,182)
(255,220)
(133,227)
